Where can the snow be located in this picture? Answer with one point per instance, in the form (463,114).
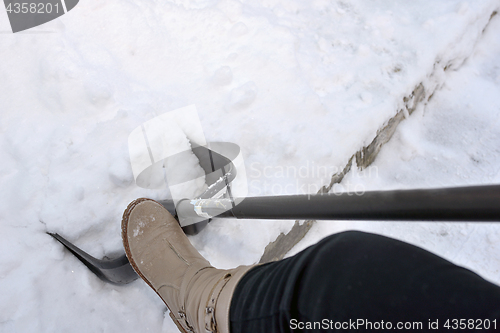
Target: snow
(299,85)
(453,141)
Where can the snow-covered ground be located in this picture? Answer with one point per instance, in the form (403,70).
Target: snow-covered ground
(299,85)
(453,141)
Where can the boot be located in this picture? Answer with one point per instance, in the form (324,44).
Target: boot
(197,294)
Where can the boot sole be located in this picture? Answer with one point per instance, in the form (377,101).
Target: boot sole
(125,219)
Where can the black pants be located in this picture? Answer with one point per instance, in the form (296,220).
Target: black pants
(358,281)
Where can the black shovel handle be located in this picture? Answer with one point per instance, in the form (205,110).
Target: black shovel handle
(473,204)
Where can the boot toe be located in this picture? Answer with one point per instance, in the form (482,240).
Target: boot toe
(155,244)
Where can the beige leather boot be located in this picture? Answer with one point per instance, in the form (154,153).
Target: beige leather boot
(197,294)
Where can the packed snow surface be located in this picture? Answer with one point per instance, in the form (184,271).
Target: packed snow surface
(453,141)
(299,85)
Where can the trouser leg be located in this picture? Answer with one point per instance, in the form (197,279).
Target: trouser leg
(354,276)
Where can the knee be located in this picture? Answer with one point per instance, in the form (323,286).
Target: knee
(350,236)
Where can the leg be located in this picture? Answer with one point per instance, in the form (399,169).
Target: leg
(356,275)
